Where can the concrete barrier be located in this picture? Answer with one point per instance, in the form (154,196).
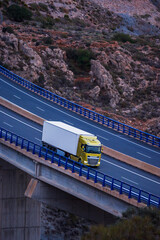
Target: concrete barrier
(21,111)
(106,150)
(132,161)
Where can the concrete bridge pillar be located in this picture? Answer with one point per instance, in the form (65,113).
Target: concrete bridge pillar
(19,216)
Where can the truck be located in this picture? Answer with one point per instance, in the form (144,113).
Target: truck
(76,144)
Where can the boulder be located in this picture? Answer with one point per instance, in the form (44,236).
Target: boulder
(100,75)
(94,93)
(55,58)
(105,81)
(127,90)
(35,59)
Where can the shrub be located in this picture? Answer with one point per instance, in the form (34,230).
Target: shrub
(80,57)
(143,225)
(33,6)
(47,40)
(18,13)
(122,37)
(43,7)
(8,29)
(47,22)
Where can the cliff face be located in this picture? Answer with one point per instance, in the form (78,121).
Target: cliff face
(102,54)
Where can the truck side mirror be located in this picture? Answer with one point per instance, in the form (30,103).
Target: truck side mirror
(83,148)
(101,149)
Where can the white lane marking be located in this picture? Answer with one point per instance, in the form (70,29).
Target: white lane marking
(102,137)
(38,139)
(68,122)
(130,180)
(40,109)
(79,119)
(16,97)
(8,124)
(131,171)
(143,155)
(20,121)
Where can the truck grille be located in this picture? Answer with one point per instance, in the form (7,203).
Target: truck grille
(93,161)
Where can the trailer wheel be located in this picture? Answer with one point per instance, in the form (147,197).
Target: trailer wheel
(67,154)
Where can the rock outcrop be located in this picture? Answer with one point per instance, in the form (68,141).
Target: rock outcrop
(120,76)
(104,79)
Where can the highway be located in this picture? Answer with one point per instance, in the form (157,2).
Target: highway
(50,111)
(30,130)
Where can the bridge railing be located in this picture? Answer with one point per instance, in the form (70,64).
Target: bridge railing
(87,172)
(106,121)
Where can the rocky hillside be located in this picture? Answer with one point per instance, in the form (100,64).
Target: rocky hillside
(103,54)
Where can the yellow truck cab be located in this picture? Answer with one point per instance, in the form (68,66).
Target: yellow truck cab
(89,150)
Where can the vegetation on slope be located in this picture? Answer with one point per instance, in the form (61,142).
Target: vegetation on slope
(137,224)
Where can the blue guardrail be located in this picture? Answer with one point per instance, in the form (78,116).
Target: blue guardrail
(120,127)
(89,173)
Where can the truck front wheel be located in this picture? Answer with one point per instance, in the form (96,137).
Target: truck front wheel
(80,161)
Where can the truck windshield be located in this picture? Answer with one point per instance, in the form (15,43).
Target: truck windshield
(93,149)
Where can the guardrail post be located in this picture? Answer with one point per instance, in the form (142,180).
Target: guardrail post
(1,133)
(129,132)
(6,136)
(68,105)
(73,167)
(135,133)
(17,141)
(103,120)
(28,146)
(33,149)
(139,196)
(88,173)
(11,138)
(95,178)
(52,160)
(80,170)
(59,161)
(22,143)
(40,151)
(72,107)
(130,192)
(66,164)
(120,191)
(94,116)
(46,154)
(112,187)
(108,123)
(104,181)
(149,200)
